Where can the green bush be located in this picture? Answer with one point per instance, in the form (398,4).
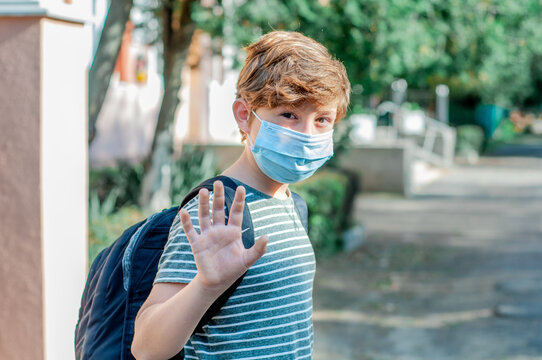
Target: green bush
(104,227)
(329,197)
(505,132)
(196,164)
(114,193)
(123,180)
(470,139)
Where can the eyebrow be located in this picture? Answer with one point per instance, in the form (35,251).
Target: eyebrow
(327,112)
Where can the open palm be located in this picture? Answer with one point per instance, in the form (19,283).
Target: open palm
(218,249)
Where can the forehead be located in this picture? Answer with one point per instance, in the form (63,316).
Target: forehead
(310,107)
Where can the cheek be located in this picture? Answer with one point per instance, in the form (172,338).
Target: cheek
(254,128)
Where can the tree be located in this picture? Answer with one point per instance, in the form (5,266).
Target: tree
(484,49)
(105,59)
(177,31)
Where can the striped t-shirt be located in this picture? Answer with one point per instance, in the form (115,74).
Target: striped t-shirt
(269,316)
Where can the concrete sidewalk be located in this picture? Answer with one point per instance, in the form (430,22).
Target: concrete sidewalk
(453,273)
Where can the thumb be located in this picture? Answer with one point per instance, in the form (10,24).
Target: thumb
(255,252)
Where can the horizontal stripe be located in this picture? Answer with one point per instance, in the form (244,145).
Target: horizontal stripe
(281,232)
(254,330)
(254,348)
(175,252)
(279,270)
(187,244)
(173,280)
(272,224)
(308,347)
(268,291)
(278,251)
(177,270)
(276,280)
(285,260)
(265,319)
(273,216)
(273,243)
(180,262)
(255,202)
(281,354)
(252,212)
(261,310)
(250,340)
(266,300)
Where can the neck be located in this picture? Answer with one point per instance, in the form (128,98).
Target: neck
(247,171)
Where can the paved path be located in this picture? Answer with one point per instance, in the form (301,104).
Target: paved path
(452,273)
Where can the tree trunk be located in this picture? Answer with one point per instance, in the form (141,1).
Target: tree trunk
(178,31)
(105,58)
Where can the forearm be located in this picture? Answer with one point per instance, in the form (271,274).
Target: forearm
(162,329)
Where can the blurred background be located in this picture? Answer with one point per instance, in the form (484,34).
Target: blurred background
(426,223)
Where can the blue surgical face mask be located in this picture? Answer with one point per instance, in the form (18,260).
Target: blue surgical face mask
(289,156)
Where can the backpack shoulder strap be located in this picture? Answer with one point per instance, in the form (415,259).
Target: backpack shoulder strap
(302,211)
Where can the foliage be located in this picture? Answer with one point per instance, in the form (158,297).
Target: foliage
(168,22)
(114,194)
(116,187)
(327,195)
(470,139)
(196,164)
(341,142)
(106,226)
(123,181)
(481,48)
(505,132)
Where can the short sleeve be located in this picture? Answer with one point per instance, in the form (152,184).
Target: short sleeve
(177,263)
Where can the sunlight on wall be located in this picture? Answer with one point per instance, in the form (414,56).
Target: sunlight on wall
(222,125)
(64,181)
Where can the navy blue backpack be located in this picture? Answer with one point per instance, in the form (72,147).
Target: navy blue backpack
(121,278)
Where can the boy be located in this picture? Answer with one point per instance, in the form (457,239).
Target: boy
(290,93)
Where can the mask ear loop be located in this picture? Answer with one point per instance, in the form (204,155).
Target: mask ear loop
(248,136)
(249,141)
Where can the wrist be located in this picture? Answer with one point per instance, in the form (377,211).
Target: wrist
(208,292)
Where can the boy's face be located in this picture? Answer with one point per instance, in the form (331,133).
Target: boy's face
(306,118)
(284,155)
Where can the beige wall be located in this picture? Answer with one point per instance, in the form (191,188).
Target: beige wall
(20,225)
(63,180)
(43,182)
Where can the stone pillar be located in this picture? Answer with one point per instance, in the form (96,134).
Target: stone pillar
(200,56)
(43,177)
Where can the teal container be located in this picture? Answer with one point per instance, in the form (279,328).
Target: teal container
(489,116)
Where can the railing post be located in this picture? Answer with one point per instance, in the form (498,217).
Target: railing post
(443,100)
(398,91)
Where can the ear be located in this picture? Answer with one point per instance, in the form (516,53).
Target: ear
(241,112)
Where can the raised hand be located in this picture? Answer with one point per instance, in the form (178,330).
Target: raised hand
(218,249)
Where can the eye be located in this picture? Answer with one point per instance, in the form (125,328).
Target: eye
(288,115)
(323,121)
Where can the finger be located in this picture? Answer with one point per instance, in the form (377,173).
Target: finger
(236,211)
(203,210)
(188,228)
(218,203)
(254,253)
